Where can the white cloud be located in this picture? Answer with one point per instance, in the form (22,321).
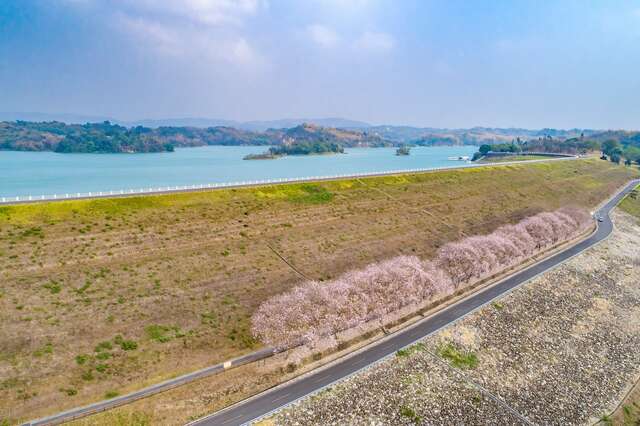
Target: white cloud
(201,31)
(241,52)
(190,43)
(346,5)
(207,12)
(161,37)
(323,36)
(375,42)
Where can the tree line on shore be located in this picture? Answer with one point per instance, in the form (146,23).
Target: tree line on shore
(614,146)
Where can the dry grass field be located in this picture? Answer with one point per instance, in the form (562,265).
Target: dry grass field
(100,297)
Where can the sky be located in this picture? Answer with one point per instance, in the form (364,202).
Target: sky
(533,64)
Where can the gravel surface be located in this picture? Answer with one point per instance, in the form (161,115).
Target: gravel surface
(400,391)
(562,349)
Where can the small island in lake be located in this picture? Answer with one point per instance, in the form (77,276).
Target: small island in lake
(403,150)
(308,139)
(298,148)
(263,156)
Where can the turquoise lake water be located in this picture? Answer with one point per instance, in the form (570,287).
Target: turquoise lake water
(38,173)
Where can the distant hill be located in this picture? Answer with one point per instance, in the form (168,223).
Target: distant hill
(293,122)
(220,135)
(109,137)
(46,117)
(310,139)
(112,138)
(202,123)
(199,122)
(625,137)
(67,138)
(255,126)
(429,136)
(308,132)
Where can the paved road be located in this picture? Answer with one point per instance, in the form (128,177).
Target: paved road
(275,398)
(79,412)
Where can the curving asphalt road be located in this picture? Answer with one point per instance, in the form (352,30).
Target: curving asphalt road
(268,401)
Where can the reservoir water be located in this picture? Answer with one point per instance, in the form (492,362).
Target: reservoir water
(45,173)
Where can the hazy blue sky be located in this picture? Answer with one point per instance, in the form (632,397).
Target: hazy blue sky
(419,62)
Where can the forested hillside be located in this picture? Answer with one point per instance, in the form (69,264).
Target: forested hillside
(106,137)
(92,137)
(614,145)
(110,138)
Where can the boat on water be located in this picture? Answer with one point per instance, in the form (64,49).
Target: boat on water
(460,158)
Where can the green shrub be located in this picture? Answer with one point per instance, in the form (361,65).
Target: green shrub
(102,346)
(111,394)
(129,345)
(53,287)
(81,359)
(69,391)
(46,349)
(312,194)
(9,383)
(103,355)
(458,359)
(158,333)
(411,349)
(410,413)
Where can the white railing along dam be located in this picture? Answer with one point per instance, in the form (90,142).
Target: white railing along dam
(205,186)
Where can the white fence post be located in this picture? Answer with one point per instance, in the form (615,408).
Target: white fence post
(269,181)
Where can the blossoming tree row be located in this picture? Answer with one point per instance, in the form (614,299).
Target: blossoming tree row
(314,311)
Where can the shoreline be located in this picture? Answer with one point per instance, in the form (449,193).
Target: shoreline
(30,199)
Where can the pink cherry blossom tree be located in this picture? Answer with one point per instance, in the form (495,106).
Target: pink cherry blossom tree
(313,312)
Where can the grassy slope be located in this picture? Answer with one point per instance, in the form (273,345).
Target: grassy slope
(181,274)
(513,158)
(629,411)
(631,203)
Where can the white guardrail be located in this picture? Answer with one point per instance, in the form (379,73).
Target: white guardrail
(183,188)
